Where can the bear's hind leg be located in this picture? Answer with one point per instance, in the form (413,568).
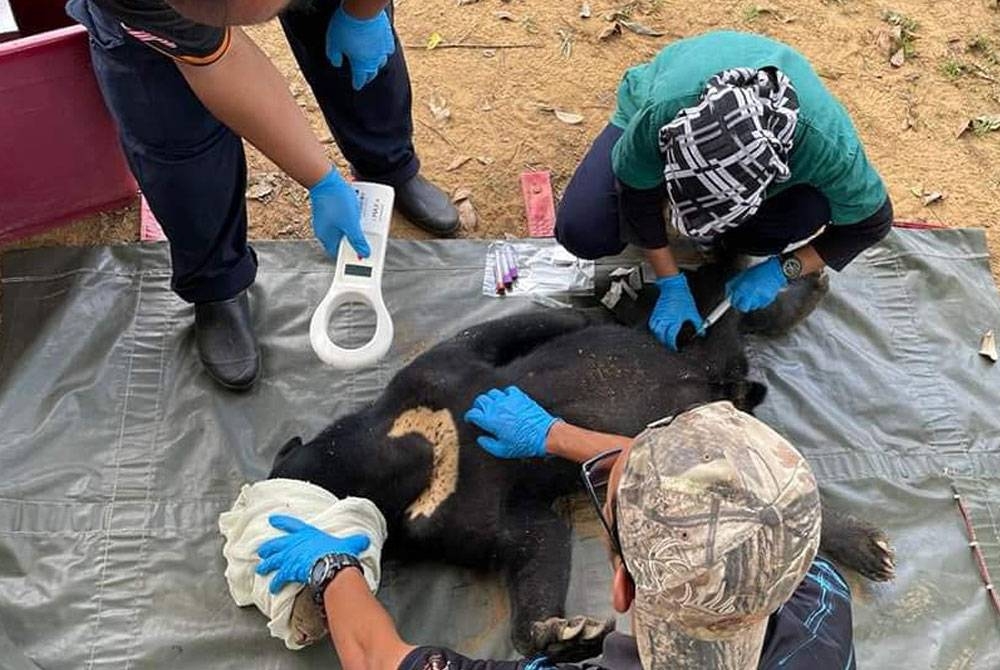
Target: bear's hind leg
(858,545)
(791,307)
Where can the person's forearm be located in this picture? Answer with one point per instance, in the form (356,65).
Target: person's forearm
(362,631)
(579,444)
(811,261)
(840,244)
(662,260)
(364,9)
(245,91)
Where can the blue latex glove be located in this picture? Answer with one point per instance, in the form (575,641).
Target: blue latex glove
(367,43)
(756,287)
(336,212)
(673,309)
(519,424)
(293,555)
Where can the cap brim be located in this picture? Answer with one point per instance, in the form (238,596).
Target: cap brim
(666,647)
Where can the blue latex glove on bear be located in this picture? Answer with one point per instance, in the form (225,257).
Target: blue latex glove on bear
(673,309)
(756,287)
(336,212)
(293,555)
(367,44)
(518,424)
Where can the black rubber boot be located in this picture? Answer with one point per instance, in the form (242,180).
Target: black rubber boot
(427,207)
(227,344)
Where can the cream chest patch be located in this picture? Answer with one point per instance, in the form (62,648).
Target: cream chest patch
(439,429)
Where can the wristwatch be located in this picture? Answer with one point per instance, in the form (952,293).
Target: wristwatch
(324,570)
(791,267)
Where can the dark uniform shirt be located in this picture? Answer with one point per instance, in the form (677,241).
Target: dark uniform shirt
(157,25)
(812,631)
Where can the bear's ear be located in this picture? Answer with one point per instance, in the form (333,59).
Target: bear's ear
(753,395)
(290,446)
(745,395)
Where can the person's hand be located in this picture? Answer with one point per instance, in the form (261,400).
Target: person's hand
(293,555)
(673,309)
(519,424)
(756,287)
(367,43)
(336,212)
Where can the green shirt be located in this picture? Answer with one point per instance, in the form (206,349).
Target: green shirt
(827,153)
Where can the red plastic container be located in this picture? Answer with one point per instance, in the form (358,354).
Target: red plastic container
(59,152)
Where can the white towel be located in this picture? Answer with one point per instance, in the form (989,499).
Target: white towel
(293,616)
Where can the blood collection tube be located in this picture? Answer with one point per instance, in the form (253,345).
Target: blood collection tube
(498,272)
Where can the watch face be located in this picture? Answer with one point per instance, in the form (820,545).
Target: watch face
(791,267)
(318,571)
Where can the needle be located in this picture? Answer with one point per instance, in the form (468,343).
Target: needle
(715,315)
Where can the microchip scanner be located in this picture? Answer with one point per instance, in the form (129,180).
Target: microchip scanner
(358,280)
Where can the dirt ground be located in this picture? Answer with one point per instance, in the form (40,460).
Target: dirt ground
(500,98)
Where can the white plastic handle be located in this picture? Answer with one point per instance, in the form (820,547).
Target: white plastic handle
(358,280)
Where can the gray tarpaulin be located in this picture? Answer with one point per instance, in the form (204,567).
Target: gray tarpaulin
(117,454)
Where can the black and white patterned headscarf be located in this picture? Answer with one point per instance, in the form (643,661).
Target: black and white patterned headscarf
(723,153)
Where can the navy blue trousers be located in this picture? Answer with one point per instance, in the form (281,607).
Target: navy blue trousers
(192,168)
(587,222)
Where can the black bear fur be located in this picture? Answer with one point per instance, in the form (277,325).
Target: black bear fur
(602,376)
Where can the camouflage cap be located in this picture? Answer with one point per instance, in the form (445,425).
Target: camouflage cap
(719,519)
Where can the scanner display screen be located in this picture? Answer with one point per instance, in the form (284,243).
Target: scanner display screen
(357,270)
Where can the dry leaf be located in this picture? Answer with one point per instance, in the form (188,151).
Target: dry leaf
(505,16)
(467,217)
(484,160)
(261,186)
(885,40)
(986,123)
(572,118)
(988,346)
(439,107)
(917,191)
(639,28)
(457,163)
(259,191)
(434,40)
(899,58)
(966,125)
(614,28)
(932,197)
(584,10)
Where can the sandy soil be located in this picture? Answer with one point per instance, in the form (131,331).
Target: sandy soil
(498,99)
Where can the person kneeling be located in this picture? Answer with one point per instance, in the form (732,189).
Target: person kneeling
(739,137)
(713,525)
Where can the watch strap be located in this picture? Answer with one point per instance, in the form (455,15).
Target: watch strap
(332,566)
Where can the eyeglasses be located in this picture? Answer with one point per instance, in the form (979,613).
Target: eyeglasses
(597,470)
(595,473)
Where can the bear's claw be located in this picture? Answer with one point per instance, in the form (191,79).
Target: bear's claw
(570,640)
